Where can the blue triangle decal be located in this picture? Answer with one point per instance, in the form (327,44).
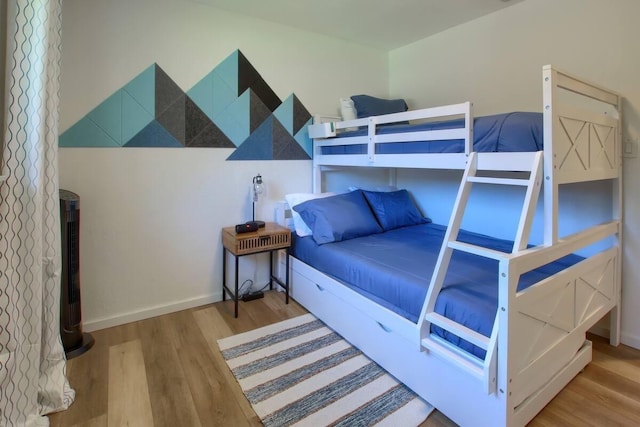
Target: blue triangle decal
(153,135)
(258,146)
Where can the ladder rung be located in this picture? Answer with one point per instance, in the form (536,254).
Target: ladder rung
(477,250)
(459,330)
(499,181)
(452,353)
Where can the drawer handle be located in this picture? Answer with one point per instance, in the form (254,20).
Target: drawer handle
(320,288)
(384,328)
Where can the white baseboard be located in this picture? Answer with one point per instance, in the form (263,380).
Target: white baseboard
(134,316)
(630,340)
(625,338)
(146,313)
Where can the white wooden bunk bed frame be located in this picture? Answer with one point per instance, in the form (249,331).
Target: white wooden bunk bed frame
(538,343)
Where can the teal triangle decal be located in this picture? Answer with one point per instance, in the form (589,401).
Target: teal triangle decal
(284,114)
(228,71)
(142,88)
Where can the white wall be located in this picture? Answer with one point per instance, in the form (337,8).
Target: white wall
(151,218)
(496,62)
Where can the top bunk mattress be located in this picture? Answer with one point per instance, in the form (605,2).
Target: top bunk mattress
(394,269)
(507,132)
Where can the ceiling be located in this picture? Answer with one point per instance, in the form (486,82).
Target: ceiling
(382,24)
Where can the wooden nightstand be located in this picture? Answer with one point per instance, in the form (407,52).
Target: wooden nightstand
(272,237)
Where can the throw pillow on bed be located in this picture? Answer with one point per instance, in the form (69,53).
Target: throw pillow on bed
(394,209)
(341,217)
(367,106)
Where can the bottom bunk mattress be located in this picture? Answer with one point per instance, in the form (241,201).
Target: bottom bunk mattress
(394,269)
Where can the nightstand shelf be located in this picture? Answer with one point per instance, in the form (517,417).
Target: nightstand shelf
(271,238)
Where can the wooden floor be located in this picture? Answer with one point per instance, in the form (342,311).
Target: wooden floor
(167,371)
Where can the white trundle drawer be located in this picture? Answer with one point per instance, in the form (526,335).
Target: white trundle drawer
(391,350)
(313,296)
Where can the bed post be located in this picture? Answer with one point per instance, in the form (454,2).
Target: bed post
(556,171)
(507,352)
(316,178)
(392,178)
(549,93)
(614,316)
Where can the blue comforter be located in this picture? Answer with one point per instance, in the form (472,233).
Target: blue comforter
(507,132)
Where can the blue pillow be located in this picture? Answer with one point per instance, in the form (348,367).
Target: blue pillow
(394,209)
(370,106)
(336,218)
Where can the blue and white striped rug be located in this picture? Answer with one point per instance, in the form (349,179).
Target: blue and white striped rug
(300,372)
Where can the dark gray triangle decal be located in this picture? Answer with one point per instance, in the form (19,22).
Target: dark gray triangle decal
(300,115)
(249,78)
(166,92)
(173,119)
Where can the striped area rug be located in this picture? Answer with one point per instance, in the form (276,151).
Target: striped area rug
(300,372)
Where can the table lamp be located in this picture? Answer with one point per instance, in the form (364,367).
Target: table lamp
(258,188)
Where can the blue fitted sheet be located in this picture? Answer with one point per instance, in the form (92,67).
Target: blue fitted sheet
(394,270)
(507,132)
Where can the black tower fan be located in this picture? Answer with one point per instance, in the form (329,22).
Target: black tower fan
(75,342)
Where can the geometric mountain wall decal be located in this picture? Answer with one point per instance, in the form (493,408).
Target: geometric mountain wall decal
(231,107)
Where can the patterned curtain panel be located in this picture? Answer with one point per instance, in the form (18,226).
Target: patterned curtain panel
(32,360)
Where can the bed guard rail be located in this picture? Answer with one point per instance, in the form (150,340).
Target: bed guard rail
(323,132)
(518,263)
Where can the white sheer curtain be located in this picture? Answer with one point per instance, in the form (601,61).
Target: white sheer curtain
(32,360)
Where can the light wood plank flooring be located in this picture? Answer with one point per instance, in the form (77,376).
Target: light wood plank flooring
(167,371)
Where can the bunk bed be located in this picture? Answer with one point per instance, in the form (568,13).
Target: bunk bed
(546,298)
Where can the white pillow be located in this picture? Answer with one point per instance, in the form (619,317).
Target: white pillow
(294,199)
(347,109)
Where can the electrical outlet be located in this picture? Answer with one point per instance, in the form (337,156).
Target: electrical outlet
(630,148)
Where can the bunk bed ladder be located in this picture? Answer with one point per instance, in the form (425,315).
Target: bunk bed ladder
(484,370)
